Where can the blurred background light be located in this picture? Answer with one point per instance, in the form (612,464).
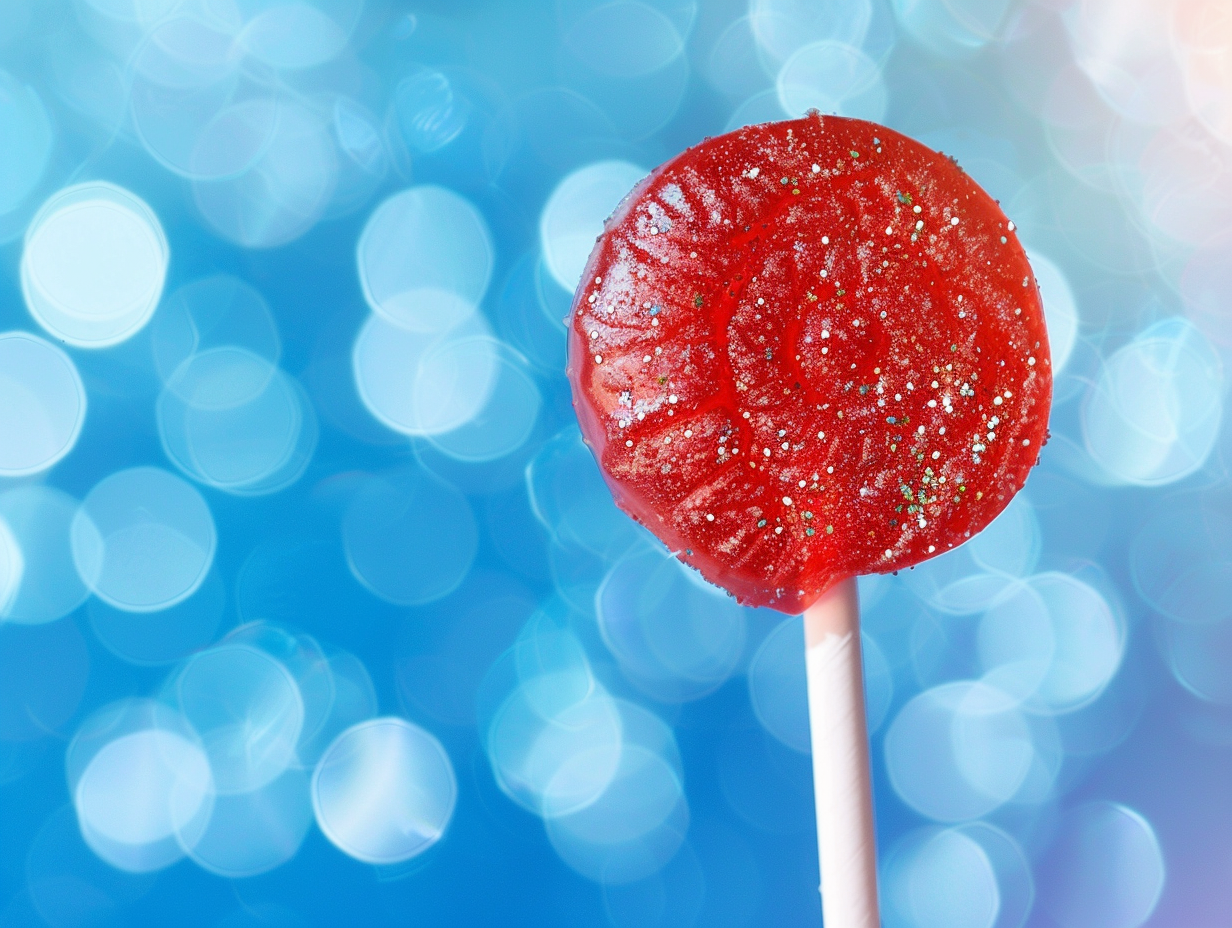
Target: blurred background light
(425,259)
(316,609)
(93,266)
(287,186)
(138,791)
(12,566)
(26,122)
(294,36)
(674,636)
(628,38)
(968,875)
(384,791)
(1102,851)
(426,112)
(424,383)
(556,738)
(247,710)
(571,501)
(952,28)
(43,582)
(143,540)
(778,687)
(219,311)
(958,751)
(138,776)
(162,637)
(249,445)
(1052,642)
(834,78)
(1060,309)
(251,832)
(946,879)
(507,419)
(783,27)
(42,404)
(1154,413)
(574,214)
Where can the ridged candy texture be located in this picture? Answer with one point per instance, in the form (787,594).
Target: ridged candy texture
(809,350)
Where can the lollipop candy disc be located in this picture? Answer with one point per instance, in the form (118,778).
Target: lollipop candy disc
(809,350)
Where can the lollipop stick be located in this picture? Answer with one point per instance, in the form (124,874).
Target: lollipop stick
(841,781)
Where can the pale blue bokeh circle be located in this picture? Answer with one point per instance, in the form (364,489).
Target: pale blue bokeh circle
(384,791)
(93,266)
(42,404)
(143,540)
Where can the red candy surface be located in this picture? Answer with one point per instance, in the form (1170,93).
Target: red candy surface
(809,350)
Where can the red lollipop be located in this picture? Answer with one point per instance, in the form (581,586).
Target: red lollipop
(801,352)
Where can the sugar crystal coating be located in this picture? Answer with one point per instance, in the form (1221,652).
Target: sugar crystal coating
(808,350)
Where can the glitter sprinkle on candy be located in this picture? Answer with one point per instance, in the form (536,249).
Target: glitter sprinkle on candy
(843,372)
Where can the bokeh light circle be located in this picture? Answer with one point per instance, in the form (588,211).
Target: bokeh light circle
(253,832)
(1010,545)
(571,501)
(633,829)
(140,787)
(12,566)
(286,188)
(1104,868)
(506,420)
(419,383)
(42,404)
(294,36)
(219,311)
(958,751)
(574,214)
(93,266)
(778,685)
(364,161)
(426,111)
(1181,562)
(249,444)
(782,27)
(137,778)
(1136,76)
(1198,657)
(143,540)
(833,78)
(625,38)
(181,82)
(425,259)
(944,880)
(247,709)
(384,791)
(1204,284)
(951,28)
(25,123)
(555,743)
(1153,416)
(1060,308)
(1052,641)
(730,62)
(43,583)
(675,637)
(160,638)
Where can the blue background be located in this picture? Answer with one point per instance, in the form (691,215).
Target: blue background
(1050,711)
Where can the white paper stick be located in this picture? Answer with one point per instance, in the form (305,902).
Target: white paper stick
(841,778)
